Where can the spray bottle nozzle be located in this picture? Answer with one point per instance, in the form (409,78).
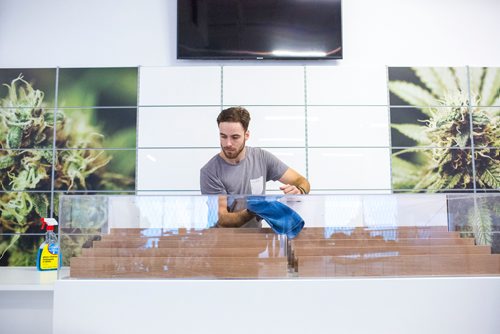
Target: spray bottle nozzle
(49,222)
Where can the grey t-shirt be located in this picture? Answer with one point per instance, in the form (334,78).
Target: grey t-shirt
(248,177)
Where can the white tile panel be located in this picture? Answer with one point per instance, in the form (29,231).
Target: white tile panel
(178,127)
(277,126)
(349,168)
(348,126)
(171,169)
(182,85)
(263,85)
(350,192)
(168,192)
(347,85)
(179,169)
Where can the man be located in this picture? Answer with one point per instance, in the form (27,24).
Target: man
(243,170)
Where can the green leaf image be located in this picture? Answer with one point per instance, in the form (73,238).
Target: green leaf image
(490,88)
(412,94)
(413,131)
(455,123)
(27,160)
(461,135)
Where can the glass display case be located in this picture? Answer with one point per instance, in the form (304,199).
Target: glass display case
(293,237)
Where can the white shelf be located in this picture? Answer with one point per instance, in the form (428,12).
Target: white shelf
(26,279)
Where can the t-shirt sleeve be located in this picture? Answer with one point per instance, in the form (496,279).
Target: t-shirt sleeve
(210,184)
(275,167)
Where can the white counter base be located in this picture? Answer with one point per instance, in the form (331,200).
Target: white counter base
(388,305)
(26,300)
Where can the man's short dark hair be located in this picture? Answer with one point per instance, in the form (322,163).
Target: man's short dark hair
(235,114)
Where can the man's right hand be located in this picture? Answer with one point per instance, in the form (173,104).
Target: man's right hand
(289,189)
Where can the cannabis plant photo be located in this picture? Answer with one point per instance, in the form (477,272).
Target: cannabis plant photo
(46,151)
(446,132)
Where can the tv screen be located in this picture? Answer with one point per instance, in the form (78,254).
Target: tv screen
(259,29)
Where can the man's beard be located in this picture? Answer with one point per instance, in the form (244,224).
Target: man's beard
(233,154)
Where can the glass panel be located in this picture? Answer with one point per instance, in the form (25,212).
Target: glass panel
(487,240)
(19,250)
(477,217)
(495,239)
(82,169)
(186,85)
(432,170)
(168,237)
(74,245)
(92,87)
(298,236)
(86,215)
(263,85)
(485,86)
(26,169)
(345,85)
(428,86)
(349,168)
(178,127)
(97,128)
(38,83)
(347,126)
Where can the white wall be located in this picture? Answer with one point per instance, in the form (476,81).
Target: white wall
(97,33)
(51,33)
(347,122)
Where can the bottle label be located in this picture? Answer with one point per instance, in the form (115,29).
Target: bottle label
(49,257)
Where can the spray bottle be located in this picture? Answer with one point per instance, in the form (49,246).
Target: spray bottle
(48,253)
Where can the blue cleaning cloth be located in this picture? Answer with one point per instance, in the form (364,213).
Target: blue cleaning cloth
(281,218)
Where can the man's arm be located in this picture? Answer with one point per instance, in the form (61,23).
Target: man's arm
(294,183)
(232,219)
(212,185)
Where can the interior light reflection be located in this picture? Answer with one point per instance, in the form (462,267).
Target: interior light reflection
(288,53)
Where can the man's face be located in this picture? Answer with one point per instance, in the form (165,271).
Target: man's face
(232,139)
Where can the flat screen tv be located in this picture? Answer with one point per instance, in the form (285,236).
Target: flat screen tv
(259,29)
